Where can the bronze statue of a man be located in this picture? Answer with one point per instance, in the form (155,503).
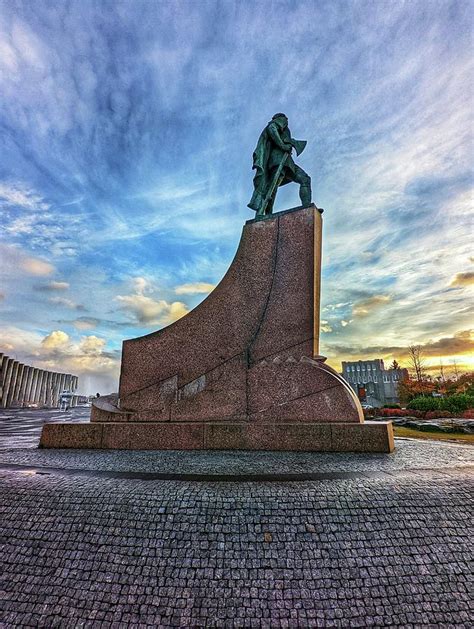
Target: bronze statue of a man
(275,167)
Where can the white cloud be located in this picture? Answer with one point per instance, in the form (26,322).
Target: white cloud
(16,262)
(146,309)
(35,266)
(85,323)
(58,285)
(92,345)
(66,303)
(194,288)
(56,340)
(30,48)
(53,285)
(365,306)
(18,341)
(21,195)
(325,327)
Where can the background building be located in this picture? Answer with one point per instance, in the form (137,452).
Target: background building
(372,383)
(23,385)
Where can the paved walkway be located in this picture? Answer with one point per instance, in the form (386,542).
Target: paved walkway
(380,540)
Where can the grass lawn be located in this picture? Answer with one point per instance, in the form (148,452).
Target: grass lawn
(401,431)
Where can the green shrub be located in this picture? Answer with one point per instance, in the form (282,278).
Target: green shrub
(457,403)
(424,404)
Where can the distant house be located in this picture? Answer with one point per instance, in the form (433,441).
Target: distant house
(372,383)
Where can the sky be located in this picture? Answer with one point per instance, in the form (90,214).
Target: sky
(126,139)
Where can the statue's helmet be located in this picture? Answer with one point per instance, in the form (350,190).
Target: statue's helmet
(280,115)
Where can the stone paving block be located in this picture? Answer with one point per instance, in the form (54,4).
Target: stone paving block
(87,551)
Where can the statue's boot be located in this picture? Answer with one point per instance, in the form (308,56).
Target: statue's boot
(305,195)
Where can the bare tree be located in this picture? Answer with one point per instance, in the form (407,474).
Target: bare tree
(416,361)
(456,371)
(394,365)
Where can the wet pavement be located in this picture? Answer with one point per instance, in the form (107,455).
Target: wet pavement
(21,427)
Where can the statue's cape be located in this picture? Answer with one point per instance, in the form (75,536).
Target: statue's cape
(265,157)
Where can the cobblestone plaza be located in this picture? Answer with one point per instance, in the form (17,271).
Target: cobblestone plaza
(116,538)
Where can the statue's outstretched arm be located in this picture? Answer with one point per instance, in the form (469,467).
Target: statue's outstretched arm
(273,132)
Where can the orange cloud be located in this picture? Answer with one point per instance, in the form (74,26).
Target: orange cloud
(364,307)
(463,279)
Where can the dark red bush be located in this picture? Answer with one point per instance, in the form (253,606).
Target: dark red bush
(438,414)
(392,412)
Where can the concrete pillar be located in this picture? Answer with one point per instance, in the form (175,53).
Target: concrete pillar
(60,386)
(16,390)
(68,386)
(19,380)
(31,385)
(75,383)
(24,385)
(12,383)
(48,400)
(7,367)
(63,382)
(35,392)
(55,389)
(8,381)
(42,393)
(74,388)
(3,362)
(51,389)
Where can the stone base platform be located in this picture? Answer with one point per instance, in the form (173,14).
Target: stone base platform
(302,437)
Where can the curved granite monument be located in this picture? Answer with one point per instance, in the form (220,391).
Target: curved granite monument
(242,370)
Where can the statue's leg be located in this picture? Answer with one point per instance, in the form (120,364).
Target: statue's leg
(304,180)
(271,201)
(269,209)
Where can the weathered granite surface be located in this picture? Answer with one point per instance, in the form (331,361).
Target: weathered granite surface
(304,436)
(246,352)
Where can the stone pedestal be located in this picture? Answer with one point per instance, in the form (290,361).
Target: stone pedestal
(242,370)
